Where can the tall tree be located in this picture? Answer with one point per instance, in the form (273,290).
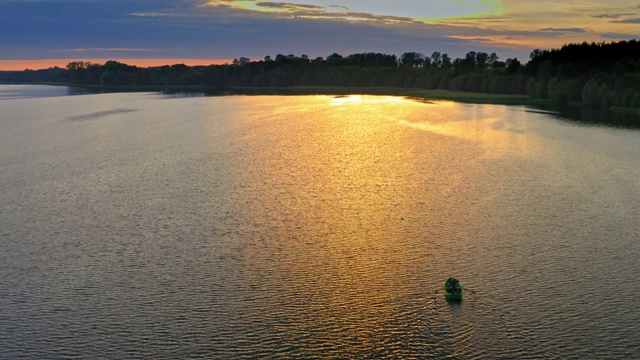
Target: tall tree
(436,59)
(446,61)
(482,60)
(513,65)
(412,59)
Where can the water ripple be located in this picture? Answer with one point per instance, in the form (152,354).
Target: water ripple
(275,227)
(98,115)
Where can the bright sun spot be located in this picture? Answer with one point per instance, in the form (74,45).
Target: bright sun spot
(342,100)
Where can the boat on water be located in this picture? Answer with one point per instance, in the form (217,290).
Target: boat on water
(453,289)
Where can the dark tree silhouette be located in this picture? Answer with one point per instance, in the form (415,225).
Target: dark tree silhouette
(594,74)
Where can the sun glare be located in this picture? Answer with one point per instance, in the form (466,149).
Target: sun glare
(365,100)
(341,100)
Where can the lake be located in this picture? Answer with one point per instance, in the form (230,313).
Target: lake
(144,225)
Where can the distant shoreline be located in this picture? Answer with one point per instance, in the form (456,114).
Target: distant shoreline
(596,76)
(616,116)
(416,93)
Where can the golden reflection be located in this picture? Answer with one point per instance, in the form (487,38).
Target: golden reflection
(491,127)
(369,100)
(342,205)
(329,188)
(341,100)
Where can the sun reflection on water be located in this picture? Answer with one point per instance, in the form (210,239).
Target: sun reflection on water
(333,187)
(286,227)
(353,201)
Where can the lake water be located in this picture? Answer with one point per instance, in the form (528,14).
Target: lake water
(142,225)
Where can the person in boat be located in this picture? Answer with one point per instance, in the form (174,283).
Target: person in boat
(452,285)
(449,285)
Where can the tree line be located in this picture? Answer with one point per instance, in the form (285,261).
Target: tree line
(478,71)
(593,74)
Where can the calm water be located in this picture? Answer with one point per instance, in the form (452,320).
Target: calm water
(9,92)
(148,226)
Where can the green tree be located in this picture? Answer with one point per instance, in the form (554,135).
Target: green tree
(446,61)
(436,59)
(493,58)
(513,66)
(482,60)
(412,59)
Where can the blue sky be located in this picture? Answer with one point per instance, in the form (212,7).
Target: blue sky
(53,31)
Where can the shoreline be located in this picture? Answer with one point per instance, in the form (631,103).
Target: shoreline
(414,93)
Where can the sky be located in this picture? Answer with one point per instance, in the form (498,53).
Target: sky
(37,34)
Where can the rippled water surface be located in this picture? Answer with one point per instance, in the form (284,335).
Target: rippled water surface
(148,226)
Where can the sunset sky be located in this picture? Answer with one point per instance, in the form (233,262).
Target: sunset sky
(41,33)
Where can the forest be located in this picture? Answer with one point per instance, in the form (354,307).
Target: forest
(601,75)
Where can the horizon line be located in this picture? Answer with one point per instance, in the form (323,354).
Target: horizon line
(43,64)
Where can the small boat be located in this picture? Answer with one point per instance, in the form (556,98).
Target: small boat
(453,289)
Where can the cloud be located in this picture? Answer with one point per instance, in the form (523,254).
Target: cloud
(339,7)
(270,10)
(370,17)
(290,6)
(627,21)
(564,30)
(476,20)
(252,28)
(107,49)
(619,36)
(402,8)
(611,16)
(152,14)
